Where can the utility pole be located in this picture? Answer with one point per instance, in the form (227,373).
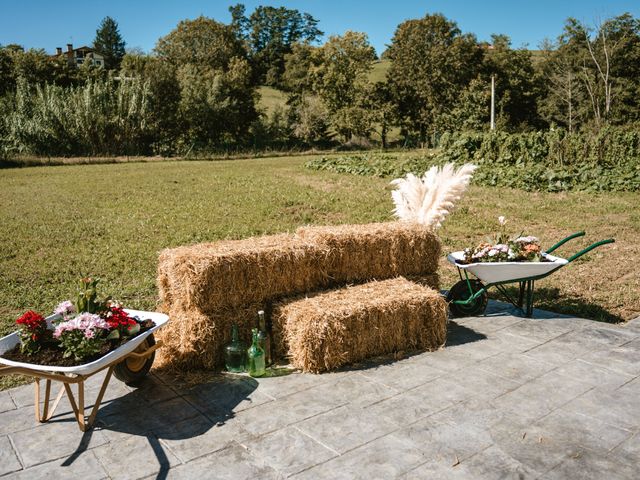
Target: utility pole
(493,102)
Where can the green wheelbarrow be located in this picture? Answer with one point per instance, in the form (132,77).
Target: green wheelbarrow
(468,297)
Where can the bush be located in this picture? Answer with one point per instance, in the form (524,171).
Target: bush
(542,161)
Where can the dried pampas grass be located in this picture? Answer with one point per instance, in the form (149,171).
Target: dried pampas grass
(428,200)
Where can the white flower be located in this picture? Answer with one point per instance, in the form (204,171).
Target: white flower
(65,308)
(502,220)
(493,252)
(529,239)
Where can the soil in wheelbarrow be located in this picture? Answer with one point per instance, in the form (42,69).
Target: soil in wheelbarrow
(50,354)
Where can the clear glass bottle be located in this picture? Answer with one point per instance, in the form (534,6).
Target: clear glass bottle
(255,357)
(235,354)
(264,337)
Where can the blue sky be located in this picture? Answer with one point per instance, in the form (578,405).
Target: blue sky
(49,24)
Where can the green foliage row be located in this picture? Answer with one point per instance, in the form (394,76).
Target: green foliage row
(538,161)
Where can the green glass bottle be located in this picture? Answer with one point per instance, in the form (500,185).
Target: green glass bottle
(255,357)
(264,338)
(235,353)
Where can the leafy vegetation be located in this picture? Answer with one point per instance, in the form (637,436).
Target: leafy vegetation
(539,161)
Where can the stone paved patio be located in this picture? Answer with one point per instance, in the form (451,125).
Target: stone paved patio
(551,397)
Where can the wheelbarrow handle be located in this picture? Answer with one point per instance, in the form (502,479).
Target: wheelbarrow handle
(589,248)
(565,240)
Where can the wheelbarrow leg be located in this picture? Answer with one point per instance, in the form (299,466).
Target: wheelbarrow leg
(521,294)
(529,306)
(47,409)
(85,423)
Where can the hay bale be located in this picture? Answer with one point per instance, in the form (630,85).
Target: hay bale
(325,331)
(378,251)
(233,273)
(194,340)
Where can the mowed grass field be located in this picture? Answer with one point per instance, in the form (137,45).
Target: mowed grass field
(110,221)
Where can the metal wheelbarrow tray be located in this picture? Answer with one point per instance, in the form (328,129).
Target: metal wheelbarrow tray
(130,362)
(469,296)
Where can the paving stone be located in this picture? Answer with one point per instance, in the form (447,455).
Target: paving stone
(411,406)
(151,391)
(596,375)
(23,396)
(386,457)
(18,419)
(623,359)
(223,397)
(610,336)
(283,412)
(495,463)
(619,408)
(564,348)
(346,428)
(446,360)
(133,417)
(8,460)
(361,389)
(591,465)
(232,463)
(569,427)
(515,366)
(542,395)
(84,467)
(200,436)
(301,451)
(628,452)
(122,459)
(401,377)
(530,445)
(482,383)
(447,440)
(488,323)
(282,386)
(59,439)
(6,402)
(541,330)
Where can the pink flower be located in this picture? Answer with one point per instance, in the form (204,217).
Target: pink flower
(89,333)
(65,308)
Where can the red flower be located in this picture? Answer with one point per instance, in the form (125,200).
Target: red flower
(32,321)
(118,318)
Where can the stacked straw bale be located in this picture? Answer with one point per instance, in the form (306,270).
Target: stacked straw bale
(375,251)
(331,329)
(208,287)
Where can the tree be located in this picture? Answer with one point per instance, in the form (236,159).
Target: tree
(299,64)
(270,33)
(109,43)
(340,80)
(517,84)
(202,42)
(431,63)
(599,68)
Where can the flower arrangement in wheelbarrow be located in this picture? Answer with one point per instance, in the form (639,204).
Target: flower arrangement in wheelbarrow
(519,248)
(79,331)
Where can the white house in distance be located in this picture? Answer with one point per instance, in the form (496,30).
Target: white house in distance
(79,56)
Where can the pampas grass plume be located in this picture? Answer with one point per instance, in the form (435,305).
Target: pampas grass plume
(428,200)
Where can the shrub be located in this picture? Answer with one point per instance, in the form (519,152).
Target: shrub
(543,161)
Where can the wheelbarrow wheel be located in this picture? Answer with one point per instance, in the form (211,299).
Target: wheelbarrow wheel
(460,291)
(132,370)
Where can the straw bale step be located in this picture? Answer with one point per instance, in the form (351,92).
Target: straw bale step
(328,330)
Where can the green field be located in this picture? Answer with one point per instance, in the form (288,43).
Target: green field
(60,223)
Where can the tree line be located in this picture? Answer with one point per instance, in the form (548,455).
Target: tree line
(199,88)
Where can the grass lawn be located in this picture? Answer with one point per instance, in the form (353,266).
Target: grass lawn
(60,223)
